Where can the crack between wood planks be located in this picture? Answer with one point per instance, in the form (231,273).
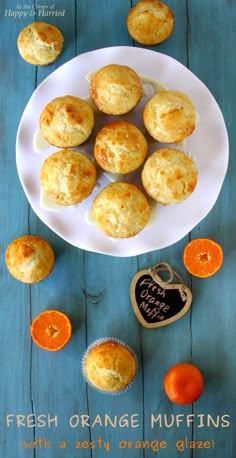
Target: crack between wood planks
(31,371)
(76,52)
(86,344)
(191,349)
(141,366)
(188,30)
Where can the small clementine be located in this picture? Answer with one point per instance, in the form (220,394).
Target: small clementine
(202,257)
(51,330)
(183,383)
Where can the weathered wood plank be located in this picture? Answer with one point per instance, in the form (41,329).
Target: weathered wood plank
(213,316)
(14,336)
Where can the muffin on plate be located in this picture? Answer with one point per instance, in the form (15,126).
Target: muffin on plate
(150,22)
(115,89)
(67,121)
(121,210)
(29,258)
(169,116)
(120,147)
(109,365)
(169,176)
(67,177)
(40,43)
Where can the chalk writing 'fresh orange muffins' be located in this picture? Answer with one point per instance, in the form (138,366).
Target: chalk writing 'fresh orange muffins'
(51,330)
(203,257)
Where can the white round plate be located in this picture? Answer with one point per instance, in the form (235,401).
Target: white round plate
(208,147)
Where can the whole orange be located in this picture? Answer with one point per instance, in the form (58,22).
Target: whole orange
(183,383)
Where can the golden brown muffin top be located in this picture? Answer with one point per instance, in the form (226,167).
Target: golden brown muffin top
(120,147)
(67,121)
(121,210)
(169,116)
(169,176)
(150,22)
(40,43)
(110,366)
(67,177)
(115,89)
(29,258)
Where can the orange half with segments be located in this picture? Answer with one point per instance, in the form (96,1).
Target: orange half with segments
(51,330)
(203,257)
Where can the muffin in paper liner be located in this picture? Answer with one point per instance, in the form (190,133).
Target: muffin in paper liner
(109,365)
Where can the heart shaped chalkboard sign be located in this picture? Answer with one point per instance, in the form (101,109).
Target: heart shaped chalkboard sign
(157,302)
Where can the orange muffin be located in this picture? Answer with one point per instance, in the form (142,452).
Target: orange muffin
(67,121)
(120,147)
(169,176)
(169,116)
(121,210)
(40,43)
(109,366)
(67,177)
(115,89)
(150,22)
(29,258)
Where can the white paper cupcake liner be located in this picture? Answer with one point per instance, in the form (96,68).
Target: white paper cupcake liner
(96,343)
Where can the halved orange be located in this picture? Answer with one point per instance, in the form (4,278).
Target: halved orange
(51,330)
(202,257)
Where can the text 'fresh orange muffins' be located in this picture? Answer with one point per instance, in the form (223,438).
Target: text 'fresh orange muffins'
(67,121)
(150,22)
(29,258)
(40,43)
(109,366)
(115,89)
(169,116)
(121,210)
(67,177)
(120,147)
(169,176)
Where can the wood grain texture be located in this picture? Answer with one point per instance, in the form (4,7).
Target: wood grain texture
(93,289)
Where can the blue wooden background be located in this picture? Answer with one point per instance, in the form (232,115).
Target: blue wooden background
(93,289)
